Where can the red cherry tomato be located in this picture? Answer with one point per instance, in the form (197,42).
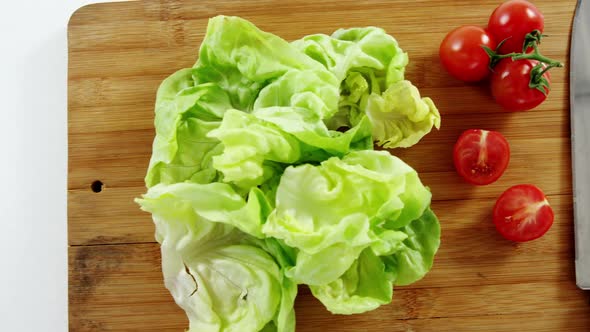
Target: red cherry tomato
(511,21)
(462,55)
(522,213)
(510,85)
(481,156)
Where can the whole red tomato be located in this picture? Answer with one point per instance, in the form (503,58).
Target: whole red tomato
(512,21)
(510,85)
(462,55)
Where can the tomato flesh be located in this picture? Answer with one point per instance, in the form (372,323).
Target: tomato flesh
(510,85)
(522,213)
(463,57)
(511,21)
(481,156)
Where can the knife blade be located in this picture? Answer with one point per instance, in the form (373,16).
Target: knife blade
(580,139)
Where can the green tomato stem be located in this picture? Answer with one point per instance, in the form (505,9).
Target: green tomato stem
(535,55)
(532,39)
(551,65)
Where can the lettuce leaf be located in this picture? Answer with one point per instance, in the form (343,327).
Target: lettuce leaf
(400,117)
(415,256)
(215,202)
(332,212)
(314,90)
(365,286)
(370,66)
(224,279)
(350,50)
(185,113)
(257,144)
(368,283)
(242,59)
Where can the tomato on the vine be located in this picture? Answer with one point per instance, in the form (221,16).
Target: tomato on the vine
(511,88)
(522,213)
(481,156)
(512,21)
(462,55)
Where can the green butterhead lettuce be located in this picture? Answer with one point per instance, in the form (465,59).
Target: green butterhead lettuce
(215,202)
(224,279)
(257,144)
(249,142)
(263,176)
(400,117)
(368,283)
(365,286)
(242,59)
(332,212)
(358,49)
(314,90)
(185,113)
(415,256)
(370,66)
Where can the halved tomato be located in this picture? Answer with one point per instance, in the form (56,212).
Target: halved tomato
(481,156)
(522,213)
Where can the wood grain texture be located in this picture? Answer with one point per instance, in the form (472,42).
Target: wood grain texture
(120,52)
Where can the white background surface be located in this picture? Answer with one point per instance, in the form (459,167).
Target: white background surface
(33,164)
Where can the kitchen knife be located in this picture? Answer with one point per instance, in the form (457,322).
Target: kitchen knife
(580,126)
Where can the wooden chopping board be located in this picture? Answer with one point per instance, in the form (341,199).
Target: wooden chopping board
(120,52)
